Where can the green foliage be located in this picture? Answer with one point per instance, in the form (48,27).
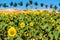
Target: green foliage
(44,27)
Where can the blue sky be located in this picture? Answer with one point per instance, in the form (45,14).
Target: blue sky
(48,2)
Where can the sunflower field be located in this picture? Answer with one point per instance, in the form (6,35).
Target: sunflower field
(30,25)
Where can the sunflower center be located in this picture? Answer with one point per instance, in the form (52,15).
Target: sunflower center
(22,25)
(12,32)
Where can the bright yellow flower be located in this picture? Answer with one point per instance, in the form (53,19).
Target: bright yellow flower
(26,34)
(31,23)
(22,25)
(12,13)
(52,21)
(12,32)
(27,12)
(6,13)
(36,12)
(43,17)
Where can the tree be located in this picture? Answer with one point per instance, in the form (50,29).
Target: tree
(0,5)
(59,4)
(30,3)
(51,6)
(15,4)
(27,4)
(11,4)
(41,4)
(36,4)
(5,5)
(55,7)
(21,3)
(46,6)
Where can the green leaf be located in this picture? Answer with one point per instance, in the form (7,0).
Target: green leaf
(43,38)
(58,21)
(50,35)
(56,34)
(49,28)
(44,26)
(18,38)
(0,39)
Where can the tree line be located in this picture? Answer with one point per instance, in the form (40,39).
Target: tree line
(14,4)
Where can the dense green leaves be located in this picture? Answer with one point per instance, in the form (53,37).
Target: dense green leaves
(45,27)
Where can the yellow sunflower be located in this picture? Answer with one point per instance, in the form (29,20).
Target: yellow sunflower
(26,12)
(12,32)
(43,17)
(52,21)
(36,12)
(26,34)
(31,23)
(6,13)
(22,25)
